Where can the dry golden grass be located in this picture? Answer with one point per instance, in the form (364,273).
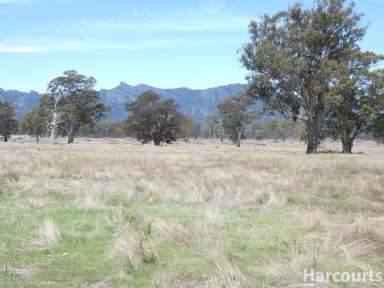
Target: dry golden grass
(199,214)
(132,250)
(47,237)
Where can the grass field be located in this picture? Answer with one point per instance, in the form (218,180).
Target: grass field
(115,213)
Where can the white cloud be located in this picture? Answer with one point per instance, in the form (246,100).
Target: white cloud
(14,1)
(4,48)
(54,45)
(233,23)
(210,16)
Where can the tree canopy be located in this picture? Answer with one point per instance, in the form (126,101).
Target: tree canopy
(376,123)
(8,122)
(350,101)
(150,119)
(293,56)
(73,102)
(189,128)
(35,122)
(235,116)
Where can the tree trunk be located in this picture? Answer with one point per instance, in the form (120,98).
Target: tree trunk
(52,137)
(314,136)
(314,126)
(53,126)
(347,143)
(312,141)
(238,138)
(315,116)
(71,135)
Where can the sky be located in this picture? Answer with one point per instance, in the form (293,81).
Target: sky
(163,43)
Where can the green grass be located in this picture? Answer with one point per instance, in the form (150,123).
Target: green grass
(262,216)
(81,256)
(86,237)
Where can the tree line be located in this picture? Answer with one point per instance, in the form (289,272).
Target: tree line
(70,103)
(305,64)
(72,106)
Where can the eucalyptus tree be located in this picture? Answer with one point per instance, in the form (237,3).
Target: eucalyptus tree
(8,122)
(73,102)
(188,128)
(351,101)
(236,115)
(214,127)
(34,123)
(376,89)
(293,55)
(150,119)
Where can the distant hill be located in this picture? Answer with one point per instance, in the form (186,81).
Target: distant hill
(23,101)
(196,104)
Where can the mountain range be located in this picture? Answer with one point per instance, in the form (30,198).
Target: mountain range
(196,104)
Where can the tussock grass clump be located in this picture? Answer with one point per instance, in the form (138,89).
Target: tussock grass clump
(229,276)
(89,199)
(364,238)
(132,250)
(171,231)
(47,237)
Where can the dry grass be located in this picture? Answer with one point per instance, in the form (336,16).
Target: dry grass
(200,214)
(363,238)
(47,236)
(132,250)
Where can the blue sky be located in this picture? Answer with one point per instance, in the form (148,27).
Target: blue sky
(164,43)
